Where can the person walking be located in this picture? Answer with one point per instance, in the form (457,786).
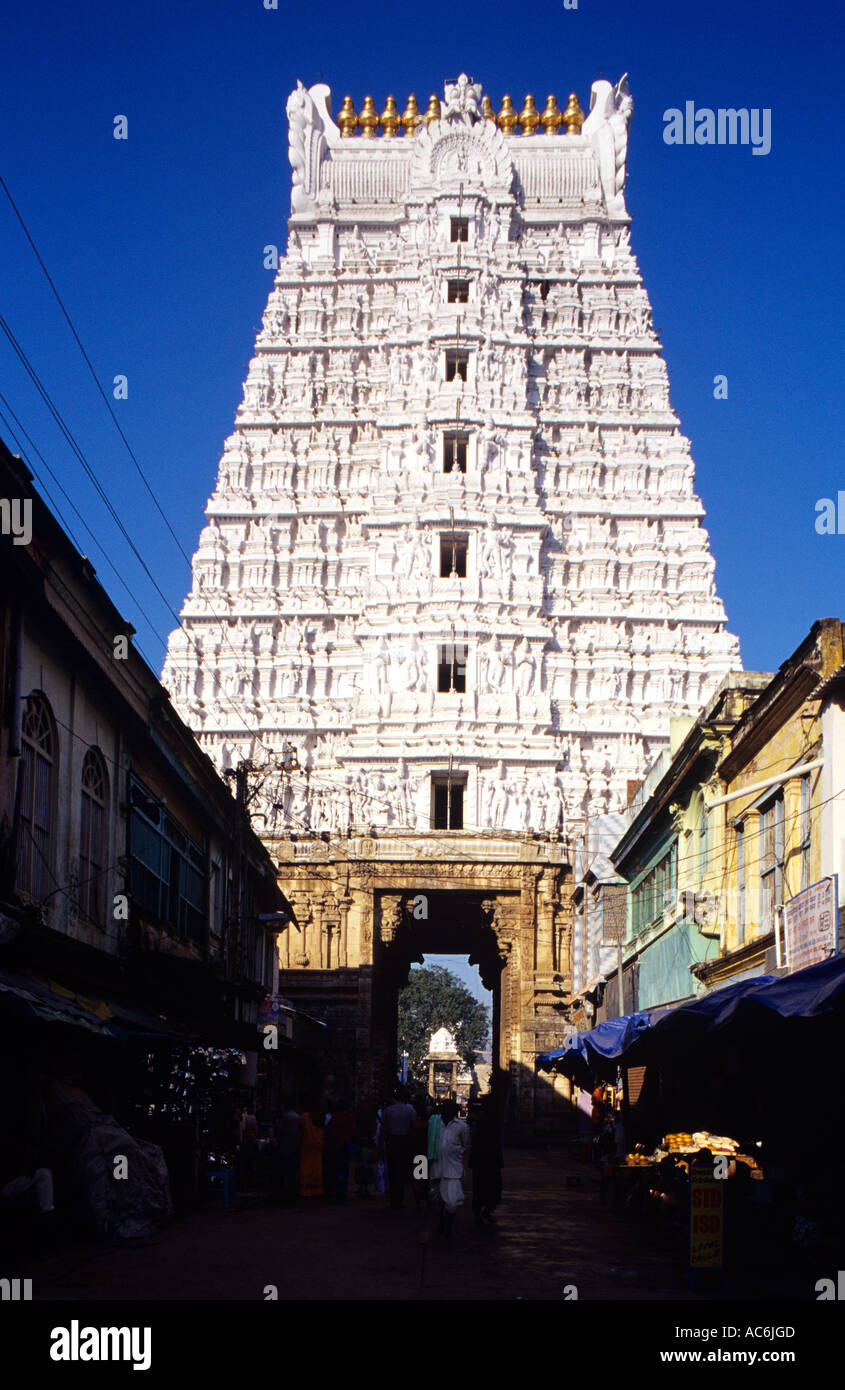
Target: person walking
(419,1150)
(486,1162)
(397,1122)
(365,1151)
(311,1156)
(288,1144)
(337,1147)
(450,1164)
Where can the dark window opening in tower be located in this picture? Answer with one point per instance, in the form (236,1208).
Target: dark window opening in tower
(447,801)
(453,555)
(457,292)
(457,364)
(459,229)
(452,669)
(455,451)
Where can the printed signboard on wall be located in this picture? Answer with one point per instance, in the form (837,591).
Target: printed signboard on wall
(810,924)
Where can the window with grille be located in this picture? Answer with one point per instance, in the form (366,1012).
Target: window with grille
(92,837)
(455,444)
(459,229)
(457,292)
(453,555)
(771,861)
(36,772)
(457,364)
(452,668)
(447,801)
(167,870)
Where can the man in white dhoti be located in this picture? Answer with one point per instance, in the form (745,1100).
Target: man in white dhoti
(448,1168)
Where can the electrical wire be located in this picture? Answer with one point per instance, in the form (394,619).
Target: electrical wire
(89,364)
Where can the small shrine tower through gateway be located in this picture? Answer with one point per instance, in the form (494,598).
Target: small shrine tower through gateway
(454,583)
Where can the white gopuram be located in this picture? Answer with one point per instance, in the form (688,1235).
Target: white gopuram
(454,560)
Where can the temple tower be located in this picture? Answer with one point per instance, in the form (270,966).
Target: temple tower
(454,582)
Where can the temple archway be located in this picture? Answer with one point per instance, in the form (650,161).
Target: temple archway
(367,909)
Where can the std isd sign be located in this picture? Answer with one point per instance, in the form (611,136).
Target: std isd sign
(706,1219)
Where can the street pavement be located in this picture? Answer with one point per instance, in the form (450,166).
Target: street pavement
(551,1236)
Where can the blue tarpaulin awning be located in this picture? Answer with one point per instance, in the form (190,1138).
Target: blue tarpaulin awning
(810,993)
(607,1040)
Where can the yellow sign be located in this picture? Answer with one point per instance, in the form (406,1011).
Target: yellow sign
(706,1219)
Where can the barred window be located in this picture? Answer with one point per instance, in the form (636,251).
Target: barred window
(92,837)
(457,364)
(457,292)
(452,668)
(37,789)
(453,554)
(447,801)
(455,450)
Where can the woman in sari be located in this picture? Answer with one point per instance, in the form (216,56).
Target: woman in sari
(311,1153)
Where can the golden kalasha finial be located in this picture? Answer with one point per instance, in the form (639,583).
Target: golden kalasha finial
(347,120)
(507,117)
(573,116)
(433,112)
(487,110)
(552,117)
(529,116)
(412,119)
(390,122)
(368,119)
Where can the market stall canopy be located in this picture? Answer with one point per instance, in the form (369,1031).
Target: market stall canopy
(809,993)
(607,1041)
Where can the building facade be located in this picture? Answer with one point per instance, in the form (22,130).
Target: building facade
(776,823)
(738,819)
(136,902)
(669,856)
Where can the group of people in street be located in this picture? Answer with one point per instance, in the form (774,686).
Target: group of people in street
(409,1142)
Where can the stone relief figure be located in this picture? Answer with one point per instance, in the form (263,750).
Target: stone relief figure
(497,669)
(378,668)
(539,797)
(409,666)
(555,809)
(526,668)
(490,559)
(499,801)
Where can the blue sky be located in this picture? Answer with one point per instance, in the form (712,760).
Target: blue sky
(156,246)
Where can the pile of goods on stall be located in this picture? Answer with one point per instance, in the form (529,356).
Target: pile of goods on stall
(683,1145)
